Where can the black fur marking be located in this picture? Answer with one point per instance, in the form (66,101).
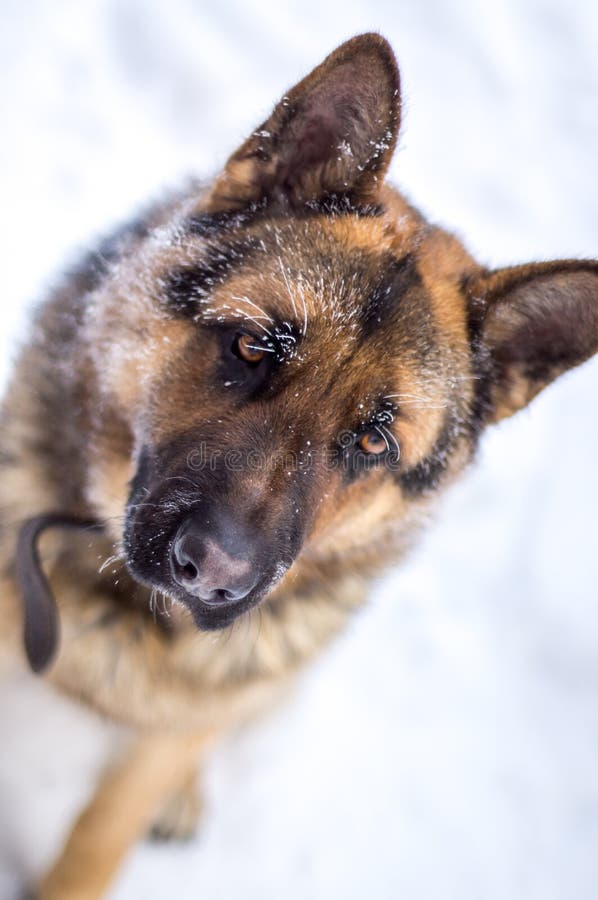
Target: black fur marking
(209,225)
(381,306)
(342,204)
(213,225)
(186,287)
(480,356)
(476,306)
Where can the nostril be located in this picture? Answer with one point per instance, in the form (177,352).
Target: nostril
(190,571)
(185,569)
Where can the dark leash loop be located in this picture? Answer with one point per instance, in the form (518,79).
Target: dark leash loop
(41,627)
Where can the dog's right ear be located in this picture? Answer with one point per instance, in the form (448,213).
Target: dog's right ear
(333,134)
(531,323)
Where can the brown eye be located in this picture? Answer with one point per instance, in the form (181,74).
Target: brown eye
(246,348)
(373,443)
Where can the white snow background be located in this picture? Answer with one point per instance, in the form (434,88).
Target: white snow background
(447,745)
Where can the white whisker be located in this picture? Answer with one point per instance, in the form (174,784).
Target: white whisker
(382,435)
(393,439)
(288,287)
(109,562)
(262,311)
(261,348)
(302,298)
(245,315)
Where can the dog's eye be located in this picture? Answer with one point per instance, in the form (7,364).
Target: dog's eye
(372,443)
(247,348)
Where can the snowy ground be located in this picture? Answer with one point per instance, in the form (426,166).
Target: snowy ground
(447,746)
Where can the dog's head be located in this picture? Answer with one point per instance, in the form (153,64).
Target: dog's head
(296,361)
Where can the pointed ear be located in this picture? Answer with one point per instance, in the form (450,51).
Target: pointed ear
(333,134)
(531,323)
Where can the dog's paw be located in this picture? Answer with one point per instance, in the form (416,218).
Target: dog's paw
(179,817)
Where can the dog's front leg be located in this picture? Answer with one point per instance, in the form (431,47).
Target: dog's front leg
(121,811)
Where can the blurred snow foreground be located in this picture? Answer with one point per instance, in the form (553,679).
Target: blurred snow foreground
(446,747)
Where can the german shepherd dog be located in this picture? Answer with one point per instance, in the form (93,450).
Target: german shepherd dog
(246,401)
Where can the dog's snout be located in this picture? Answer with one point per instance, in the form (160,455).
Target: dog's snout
(204,568)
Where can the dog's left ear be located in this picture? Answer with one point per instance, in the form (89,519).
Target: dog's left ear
(333,134)
(530,324)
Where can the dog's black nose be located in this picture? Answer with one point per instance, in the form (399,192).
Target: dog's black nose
(207,569)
